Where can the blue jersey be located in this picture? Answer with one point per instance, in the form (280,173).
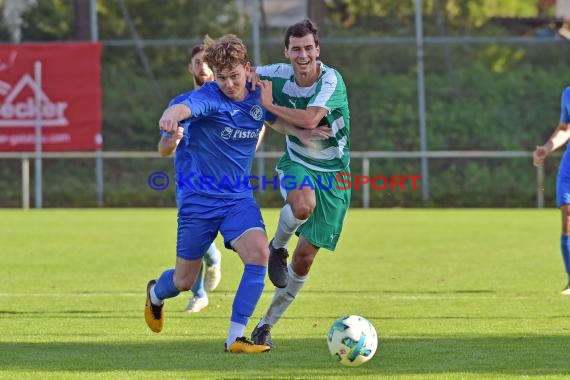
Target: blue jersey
(563,178)
(565,118)
(179,152)
(219,147)
(565,106)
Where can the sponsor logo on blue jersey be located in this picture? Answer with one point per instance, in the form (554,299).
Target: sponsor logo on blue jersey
(239,134)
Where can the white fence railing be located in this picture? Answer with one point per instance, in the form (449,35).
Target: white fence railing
(363,156)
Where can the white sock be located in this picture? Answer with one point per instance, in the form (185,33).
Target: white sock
(236,331)
(154,299)
(283,298)
(286,227)
(212,255)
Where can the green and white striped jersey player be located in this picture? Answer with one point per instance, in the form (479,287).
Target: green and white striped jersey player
(328,92)
(307,94)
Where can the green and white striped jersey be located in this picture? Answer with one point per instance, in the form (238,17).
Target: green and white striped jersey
(327,92)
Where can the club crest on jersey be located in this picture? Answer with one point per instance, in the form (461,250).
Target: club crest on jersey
(256,112)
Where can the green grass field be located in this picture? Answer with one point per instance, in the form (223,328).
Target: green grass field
(453,294)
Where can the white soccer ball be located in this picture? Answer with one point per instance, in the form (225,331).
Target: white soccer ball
(352,340)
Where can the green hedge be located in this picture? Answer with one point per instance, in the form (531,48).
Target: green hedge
(477,98)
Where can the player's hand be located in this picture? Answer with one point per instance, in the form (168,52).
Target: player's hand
(168,124)
(253,77)
(311,137)
(539,155)
(179,133)
(266,93)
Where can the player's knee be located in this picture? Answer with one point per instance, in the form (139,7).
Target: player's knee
(303,210)
(302,264)
(183,283)
(260,255)
(566,226)
(565,221)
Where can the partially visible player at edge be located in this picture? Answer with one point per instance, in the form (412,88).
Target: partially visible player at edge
(307,94)
(560,136)
(226,119)
(201,73)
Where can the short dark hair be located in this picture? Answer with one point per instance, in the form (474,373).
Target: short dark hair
(196,49)
(301,29)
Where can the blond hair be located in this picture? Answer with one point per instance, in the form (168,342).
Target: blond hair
(226,52)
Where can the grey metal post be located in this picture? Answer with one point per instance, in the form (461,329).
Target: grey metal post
(25,182)
(256,62)
(540,186)
(99,185)
(366,189)
(99,177)
(422,100)
(94,27)
(38,133)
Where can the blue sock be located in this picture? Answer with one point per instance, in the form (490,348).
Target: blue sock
(212,255)
(198,287)
(565,243)
(164,287)
(248,293)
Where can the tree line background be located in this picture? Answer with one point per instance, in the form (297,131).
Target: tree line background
(490,95)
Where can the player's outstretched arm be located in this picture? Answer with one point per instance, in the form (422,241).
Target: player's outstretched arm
(261,136)
(308,118)
(172,116)
(560,136)
(309,137)
(167,144)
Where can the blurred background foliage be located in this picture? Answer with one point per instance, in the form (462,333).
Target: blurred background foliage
(480,94)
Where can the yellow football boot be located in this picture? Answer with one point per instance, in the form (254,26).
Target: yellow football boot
(242,345)
(153,315)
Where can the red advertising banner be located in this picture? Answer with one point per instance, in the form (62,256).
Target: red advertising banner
(70,96)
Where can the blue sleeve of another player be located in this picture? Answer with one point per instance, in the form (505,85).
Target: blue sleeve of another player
(179,98)
(204,101)
(173,101)
(270,117)
(565,106)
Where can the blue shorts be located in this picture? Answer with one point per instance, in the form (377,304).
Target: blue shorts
(562,188)
(563,181)
(201,217)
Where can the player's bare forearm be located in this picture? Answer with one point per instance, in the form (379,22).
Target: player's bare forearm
(308,118)
(172,116)
(280,126)
(167,145)
(558,138)
(261,136)
(285,128)
(309,137)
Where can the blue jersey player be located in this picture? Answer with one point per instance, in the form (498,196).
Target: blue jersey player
(226,119)
(560,136)
(201,73)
